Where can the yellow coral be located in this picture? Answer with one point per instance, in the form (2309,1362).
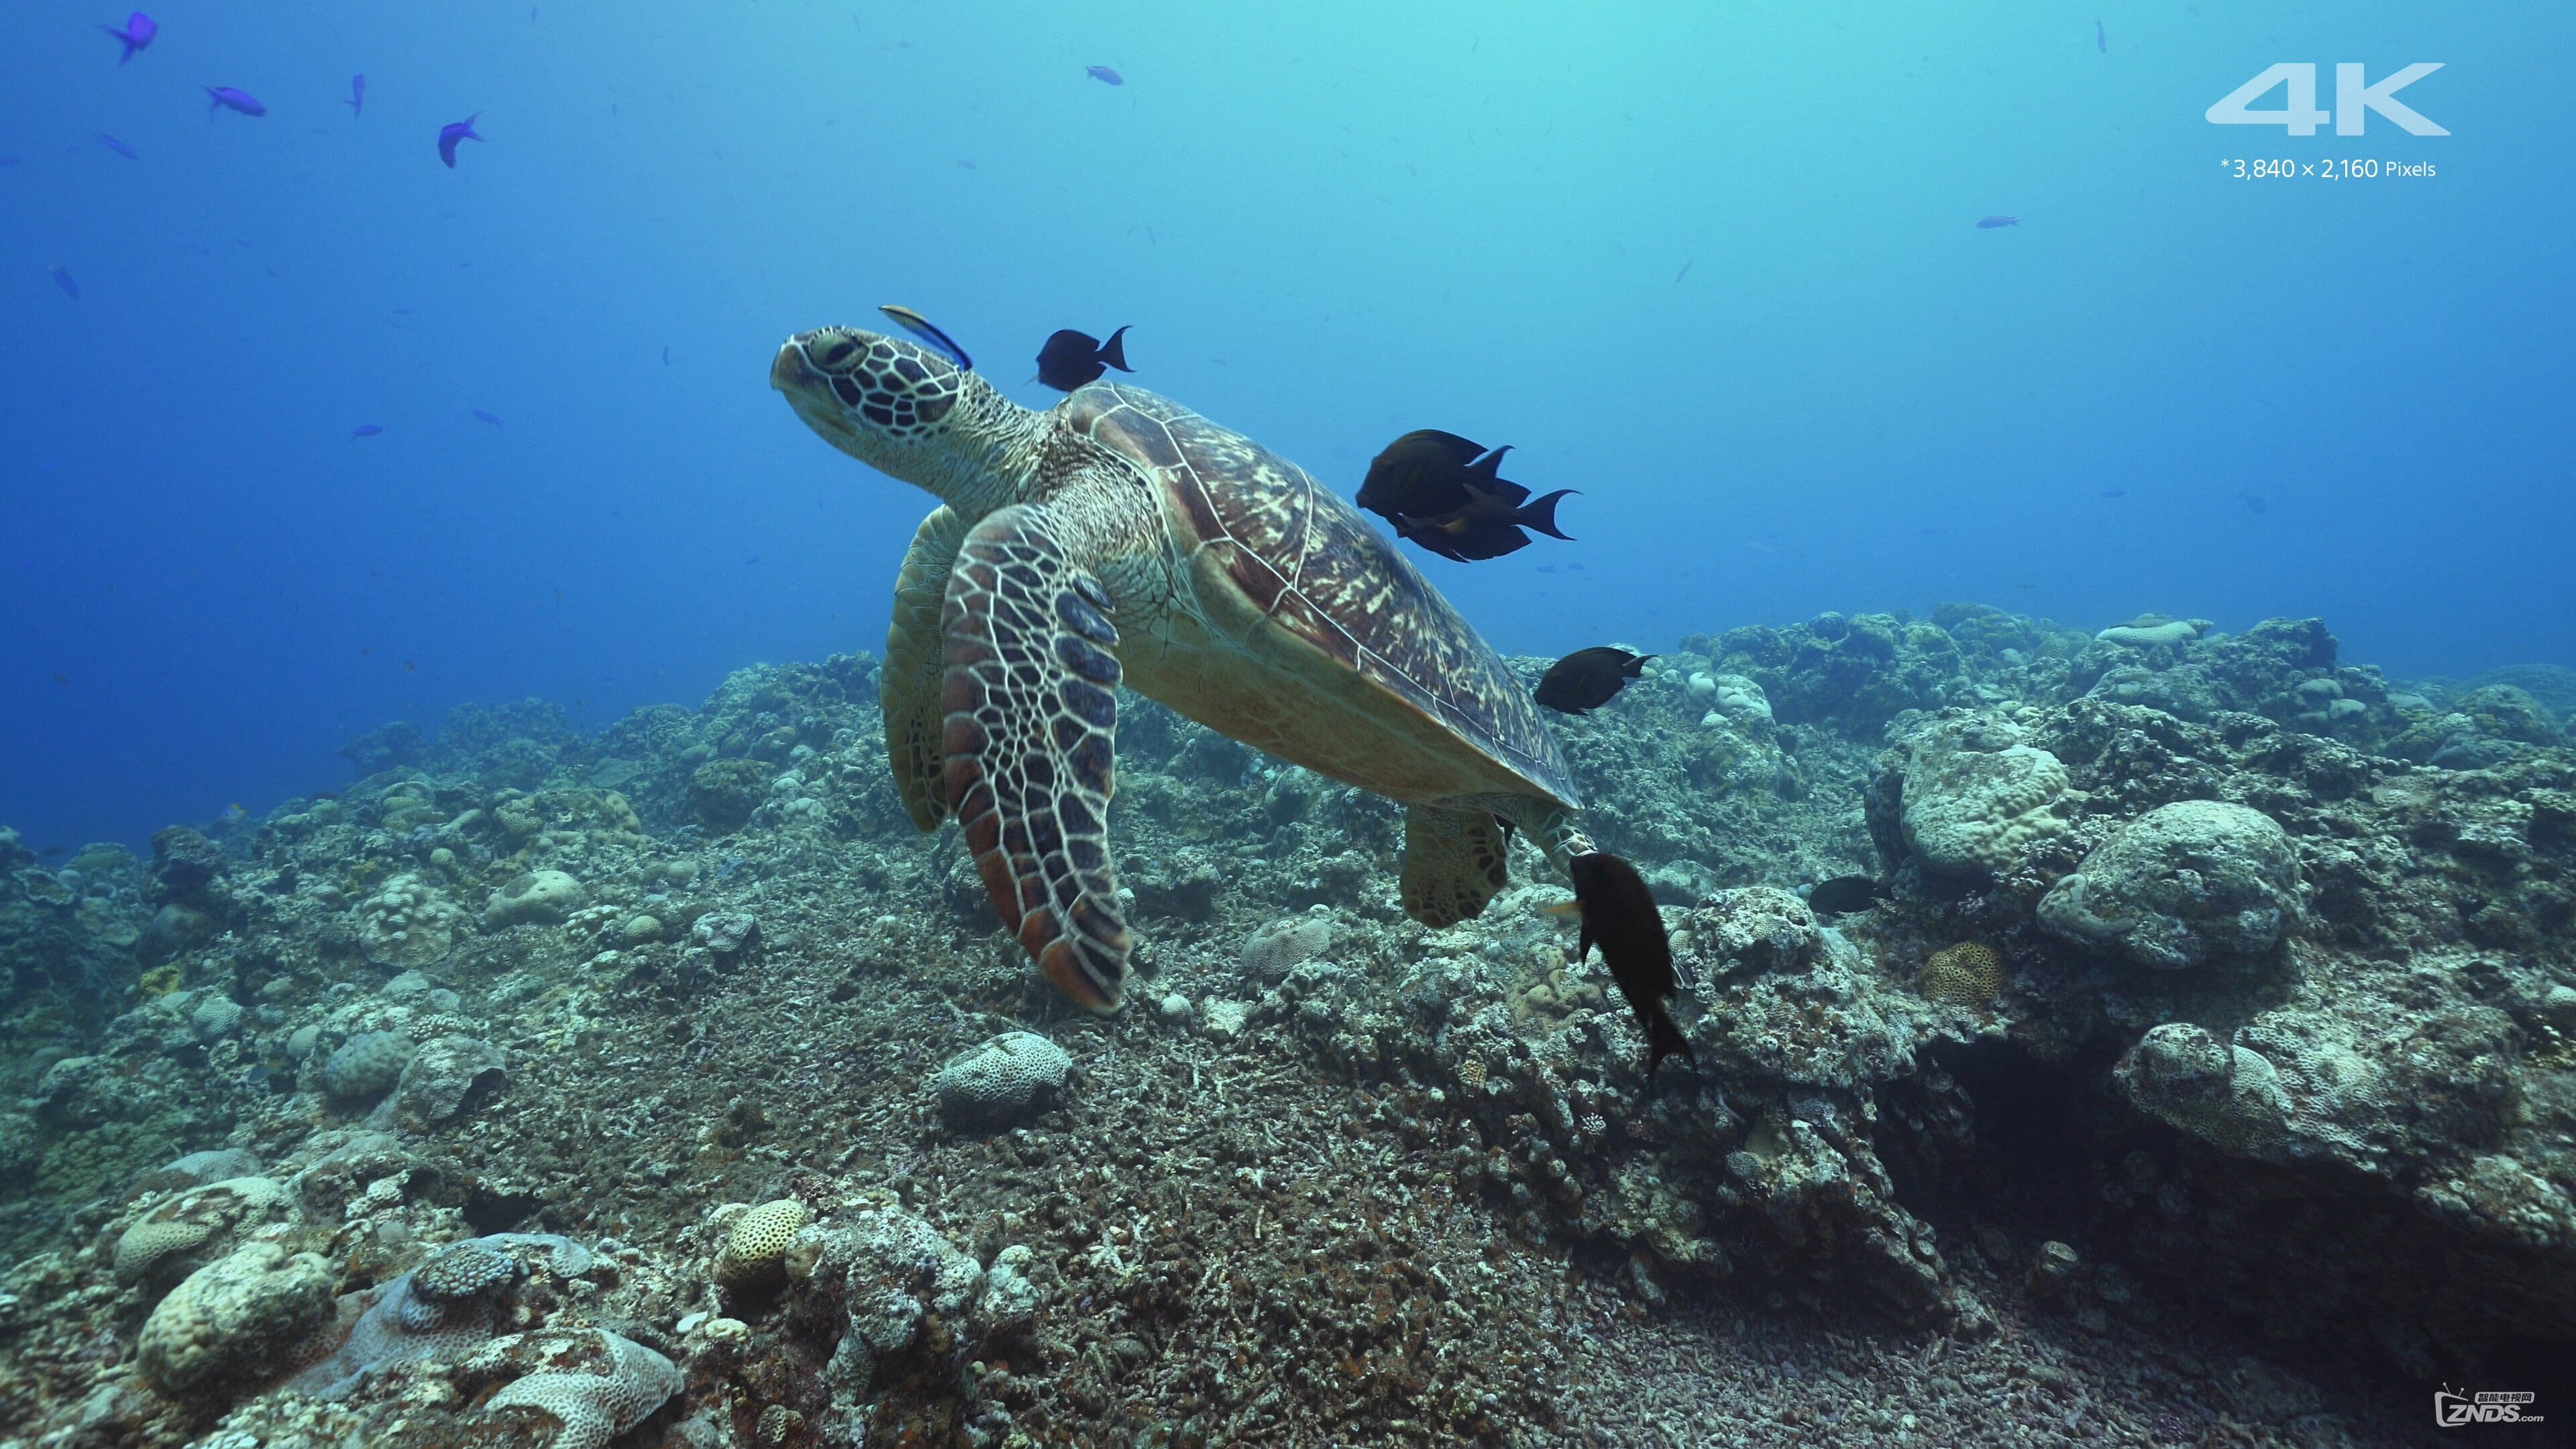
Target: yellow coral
(1968,974)
(1472,1072)
(755,1252)
(157,982)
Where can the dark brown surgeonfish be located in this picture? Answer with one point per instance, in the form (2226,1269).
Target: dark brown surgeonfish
(1072,358)
(1447,494)
(1618,912)
(1844,894)
(1587,679)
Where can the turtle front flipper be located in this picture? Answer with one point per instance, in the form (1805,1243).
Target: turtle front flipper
(909,687)
(1031,709)
(1453,863)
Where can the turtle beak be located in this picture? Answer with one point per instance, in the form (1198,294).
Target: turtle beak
(790,373)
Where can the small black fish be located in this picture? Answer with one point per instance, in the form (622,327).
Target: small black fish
(1844,894)
(1447,494)
(1587,679)
(1072,358)
(2101,42)
(1619,912)
(1990,223)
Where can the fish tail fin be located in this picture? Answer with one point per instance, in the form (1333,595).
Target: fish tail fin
(1540,513)
(1663,1039)
(1114,351)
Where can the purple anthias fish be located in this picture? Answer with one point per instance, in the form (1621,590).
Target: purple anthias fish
(487,417)
(1103,74)
(63,279)
(117,146)
(453,132)
(228,99)
(1990,223)
(357,101)
(366,430)
(138,32)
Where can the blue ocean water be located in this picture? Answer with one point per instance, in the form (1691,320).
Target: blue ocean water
(1717,267)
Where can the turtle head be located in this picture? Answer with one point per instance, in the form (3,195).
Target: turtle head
(904,410)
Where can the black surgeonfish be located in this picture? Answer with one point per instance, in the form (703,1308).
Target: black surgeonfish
(1619,912)
(1844,894)
(1587,679)
(1072,358)
(1447,494)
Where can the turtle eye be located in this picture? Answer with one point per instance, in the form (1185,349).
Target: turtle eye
(835,352)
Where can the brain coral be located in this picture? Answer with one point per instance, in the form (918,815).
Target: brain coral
(367,1065)
(1968,974)
(446,1317)
(2183,884)
(755,1252)
(1006,1079)
(233,1320)
(1270,952)
(1974,810)
(539,897)
(166,1242)
(592,1382)
(2223,1094)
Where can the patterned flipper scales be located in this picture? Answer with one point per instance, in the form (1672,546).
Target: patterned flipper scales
(1031,711)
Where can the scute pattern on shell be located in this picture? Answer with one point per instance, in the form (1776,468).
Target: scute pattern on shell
(1305,556)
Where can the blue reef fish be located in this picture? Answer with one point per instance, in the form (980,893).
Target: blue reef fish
(2101,42)
(357,101)
(138,33)
(1072,358)
(920,326)
(1104,75)
(63,279)
(117,146)
(227,98)
(453,132)
(1990,223)
(487,417)
(2254,503)
(366,430)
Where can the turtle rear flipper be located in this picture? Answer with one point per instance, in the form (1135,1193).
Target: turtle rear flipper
(1031,712)
(1453,863)
(910,684)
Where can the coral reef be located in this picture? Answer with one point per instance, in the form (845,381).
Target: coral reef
(2182,885)
(2204,1071)
(1003,1081)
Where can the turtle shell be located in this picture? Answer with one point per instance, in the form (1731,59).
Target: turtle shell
(1303,557)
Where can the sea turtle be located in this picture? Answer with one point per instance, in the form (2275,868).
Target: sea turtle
(1121,538)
